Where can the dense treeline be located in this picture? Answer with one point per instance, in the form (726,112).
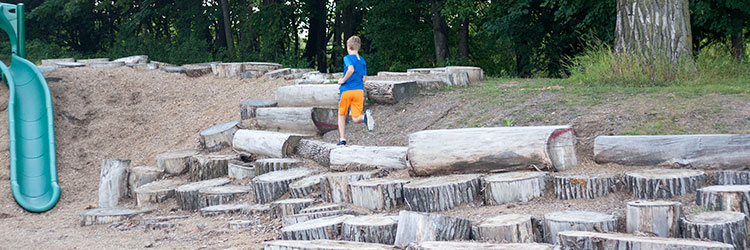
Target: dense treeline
(511,37)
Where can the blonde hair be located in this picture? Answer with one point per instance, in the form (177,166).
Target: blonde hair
(353,43)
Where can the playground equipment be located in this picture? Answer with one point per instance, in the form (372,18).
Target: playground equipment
(33,173)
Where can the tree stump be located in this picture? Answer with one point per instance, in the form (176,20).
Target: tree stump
(227,69)
(722,226)
(219,136)
(731,177)
(390,92)
(556,222)
(441,193)
(288,207)
(211,196)
(105,65)
(172,69)
(263,166)
(663,183)
(279,73)
(318,151)
(308,95)
(188,196)
(239,224)
(248,107)
(580,240)
(734,198)
(271,186)
(98,216)
(302,217)
(371,228)
(224,209)
(156,192)
(697,151)
(322,245)
(418,227)
(335,186)
(175,162)
(468,245)
(141,175)
(378,193)
(308,186)
(657,218)
(206,167)
(265,143)
(113,182)
(476,74)
(69,65)
(367,157)
(197,70)
(240,170)
(569,187)
(324,207)
(327,228)
(506,228)
(513,186)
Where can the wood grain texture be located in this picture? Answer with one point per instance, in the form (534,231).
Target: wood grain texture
(263,166)
(390,92)
(113,182)
(322,245)
(466,245)
(318,151)
(418,227)
(141,175)
(371,228)
(506,228)
(206,167)
(579,240)
(218,136)
(723,226)
(248,107)
(175,162)
(698,151)
(441,193)
(156,192)
(568,187)
(368,157)
(271,186)
(655,218)
(265,143)
(327,228)
(307,187)
(513,186)
(663,183)
(303,120)
(308,95)
(556,222)
(378,193)
(188,196)
(335,186)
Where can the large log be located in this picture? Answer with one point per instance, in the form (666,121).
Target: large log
(417,227)
(308,186)
(322,245)
(556,222)
(506,228)
(391,92)
(196,70)
(513,186)
(156,192)
(113,182)
(308,95)
(212,196)
(268,165)
(657,218)
(491,149)
(141,175)
(239,170)
(205,167)
(176,161)
(248,107)
(731,177)
(368,157)
(304,120)
(335,186)
(265,143)
(568,187)
(469,245)
(288,207)
(378,193)
(663,183)
(476,74)
(302,217)
(580,240)
(441,193)
(188,196)
(271,186)
(105,65)
(371,228)
(327,228)
(218,136)
(318,151)
(700,151)
(723,226)
(97,216)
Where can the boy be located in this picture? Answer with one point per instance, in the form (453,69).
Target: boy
(352,89)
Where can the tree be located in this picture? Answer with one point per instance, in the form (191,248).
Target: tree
(315,51)
(439,31)
(654,29)
(227,27)
(715,20)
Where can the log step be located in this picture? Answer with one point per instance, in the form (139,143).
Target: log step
(188,196)
(417,227)
(335,186)
(304,120)
(579,240)
(288,207)
(655,218)
(725,198)
(212,196)
(206,167)
(308,95)
(513,186)
(327,228)
(239,170)
(352,158)
(569,187)
(723,226)
(556,222)
(248,107)
(225,209)
(322,245)
(441,193)
(731,177)
(443,245)
(390,92)
(218,137)
(263,166)
(308,186)
(508,228)
(156,192)
(265,143)
(378,193)
(371,228)
(318,151)
(98,216)
(302,217)
(113,182)
(175,162)
(324,207)
(663,183)
(142,175)
(271,186)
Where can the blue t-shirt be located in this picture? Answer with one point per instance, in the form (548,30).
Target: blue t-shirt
(360,70)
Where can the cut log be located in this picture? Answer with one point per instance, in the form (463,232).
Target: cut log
(227,69)
(734,198)
(656,218)
(556,222)
(327,228)
(324,207)
(156,192)
(441,193)
(723,226)
(579,240)
(298,73)
(239,170)
(98,216)
(372,228)
(304,120)
(700,151)
(513,186)
(212,196)
(322,245)
(476,74)
(197,70)
(144,66)
(308,186)
(279,73)
(368,157)
(113,182)
(205,167)
(391,92)
(105,65)
(288,207)
(133,59)
(378,193)
(172,69)
(271,186)
(248,107)
(141,175)
(317,151)
(444,245)
(302,217)
(224,209)
(491,149)
(260,66)
(188,197)
(731,177)
(308,95)
(265,143)
(569,187)
(335,186)
(663,183)
(239,224)
(268,165)
(53,62)
(506,228)
(218,137)
(175,162)
(418,227)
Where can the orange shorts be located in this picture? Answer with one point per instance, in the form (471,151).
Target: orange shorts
(353,101)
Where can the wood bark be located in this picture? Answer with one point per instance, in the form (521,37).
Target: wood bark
(556,222)
(468,245)
(268,165)
(188,197)
(441,193)
(378,193)
(303,120)
(205,167)
(113,182)
(371,228)
(697,151)
(248,107)
(391,92)
(98,216)
(322,245)
(738,43)
(368,157)
(265,143)
(335,186)
(654,29)
(656,218)
(288,207)
(224,209)
(308,186)
(212,196)
(303,217)
(579,240)
(324,207)
(463,38)
(308,95)
(175,162)
(239,224)
(156,192)
(439,31)
(197,70)
(723,226)
(318,151)
(239,170)
(663,183)
(227,27)
(513,187)
(419,227)
(271,186)
(731,177)
(218,137)
(317,40)
(734,198)
(569,187)
(506,228)
(141,175)
(476,74)
(491,149)
(327,228)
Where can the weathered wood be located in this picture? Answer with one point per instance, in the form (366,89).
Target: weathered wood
(263,166)
(580,240)
(218,136)
(141,175)
(225,209)
(227,69)
(304,120)
(476,74)
(89,61)
(145,66)
(302,217)
(197,70)
(368,157)
(175,162)
(188,197)
(172,69)
(328,228)
(335,186)
(663,183)
(418,227)
(506,228)
(271,186)
(308,186)
(288,207)
(378,193)
(441,193)
(322,245)
(212,196)
(556,222)
(53,62)
(513,186)
(654,30)
(491,149)
(317,151)
(324,207)
(205,167)
(569,187)
(392,74)
(308,95)
(699,151)
(97,216)
(113,182)
(279,73)
(734,198)
(656,218)
(133,59)
(468,245)
(156,192)
(239,170)
(723,226)
(391,92)
(248,107)
(265,143)
(731,177)
(69,65)
(371,228)
(105,65)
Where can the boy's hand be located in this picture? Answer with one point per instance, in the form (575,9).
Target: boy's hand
(341,81)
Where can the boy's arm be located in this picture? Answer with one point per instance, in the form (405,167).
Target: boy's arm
(349,72)
(364,79)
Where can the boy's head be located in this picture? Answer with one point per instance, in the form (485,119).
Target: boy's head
(353,44)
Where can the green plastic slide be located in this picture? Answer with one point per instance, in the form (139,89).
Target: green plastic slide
(33,172)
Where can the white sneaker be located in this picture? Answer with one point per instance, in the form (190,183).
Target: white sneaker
(369,121)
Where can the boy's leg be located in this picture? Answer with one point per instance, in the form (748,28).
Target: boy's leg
(342,126)
(357,105)
(344,107)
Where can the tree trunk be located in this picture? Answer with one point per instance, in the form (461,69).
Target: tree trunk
(308,95)
(271,186)
(218,136)
(227,27)
(731,177)
(113,182)
(205,167)
(321,245)
(372,228)
(156,192)
(463,39)
(316,43)
(348,23)
(308,186)
(302,217)
(654,29)
(568,187)
(391,92)
(657,218)
(175,162)
(188,197)
(378,193)
(471,245)
(439,31)
(317,229)
(289,207)
(738,44)
(507,228)
(335,187)
(317,151)
(213,196)
(302,120)
(368,157)
(418,227)
(724,226)
(578,240)
(142,175)
(441,193)
(264,143)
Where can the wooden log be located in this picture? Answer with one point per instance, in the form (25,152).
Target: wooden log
(317,151)
(288,207)
(105,65)
(265,143)
(98,216)
(468,245)
(218,137)
(441,193)
(69,65)
(279,73)
(224,209)
(271,186)
(175,162)
(513,186)
(52,62)
(133,59)
(197,70)
(378,193)
(268,165)
(324,207)
(308,186)
(248,107)
(188,196)
(722,226)
(368,157)
(506,228)
(172,69)
(391,92)
(144,66)
(731,177)
(371,228)
(239,170)
(476,74)
(491,149)
(141,175)
(308,95)
(304,120)
(260,66)
(556,222)
(655,218)
(699,151)
(239,224)
(580,240)
(569,187)
(327,228)
(298,73)
(113,182)
(156,192)
(227,69)
(322,245)
(417,227)
(663,183)
(335,186)
(205,167)
(303,217)
(211,196)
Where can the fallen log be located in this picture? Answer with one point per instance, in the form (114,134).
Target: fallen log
(442,192)
(327,228)
(568,187)
(723,226)
(318,151)
(556,222)
(248,107)
(418,227)
(270,144)
(390,92)
(218,137)
(506,228)
(579,240)
(175,162)
(335,186)
(308,95)
(205,167)
(188,196)
(663,183)
(113,182)
(271,186)
(468,245)
(657,218)
(156,192)
(513,186)
(371,228)
(367,157)
(304,120)
(378,193)
(322,245)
